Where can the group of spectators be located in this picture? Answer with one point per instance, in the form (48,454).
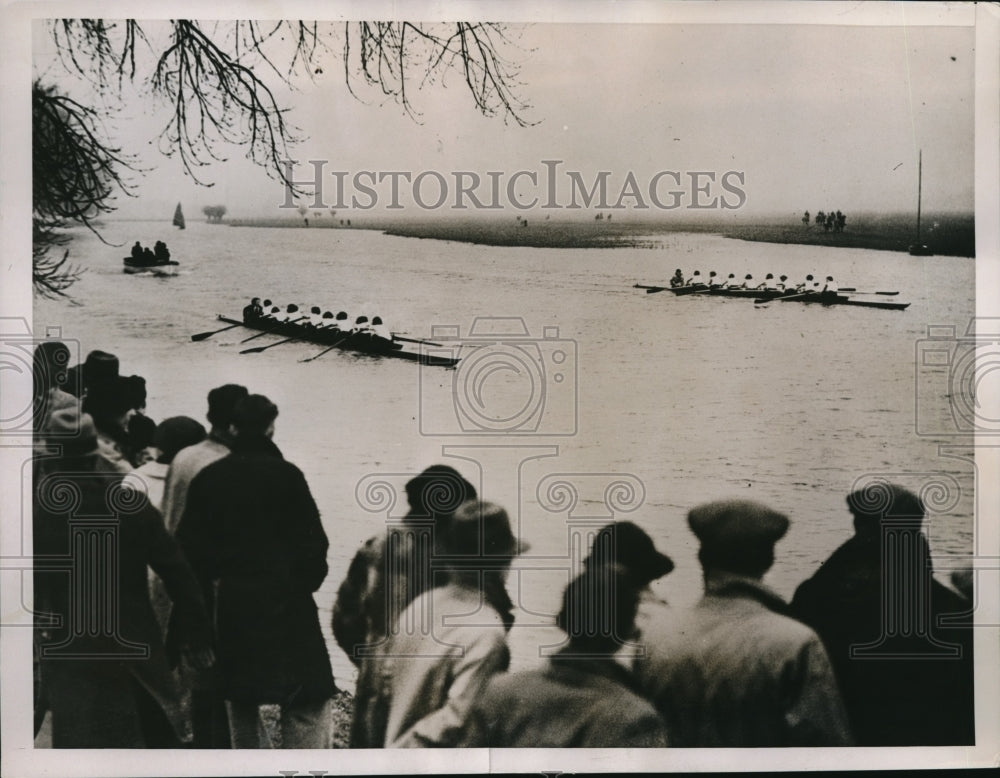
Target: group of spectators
(871,651)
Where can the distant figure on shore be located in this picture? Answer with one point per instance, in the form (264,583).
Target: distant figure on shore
(900,641)
(734,671)
(677,279)
(581,698)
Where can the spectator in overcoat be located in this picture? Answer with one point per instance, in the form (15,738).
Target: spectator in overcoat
(252,526)
(389,571)
(736,670)
(582,698)
(450,641)
(900,641)
(105,670)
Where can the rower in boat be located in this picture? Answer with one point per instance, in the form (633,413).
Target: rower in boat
(830,286)
(809,285)
(714,282)
(253,311)
(781,286)
(314,318)
(291,312)
(769,285)
(677,279)
(747,282)
(729,283)
(696,279)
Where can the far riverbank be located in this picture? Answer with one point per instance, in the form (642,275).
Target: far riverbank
(945,234)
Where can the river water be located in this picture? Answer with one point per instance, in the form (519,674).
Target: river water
(581,400)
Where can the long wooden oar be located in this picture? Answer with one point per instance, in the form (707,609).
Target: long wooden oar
(258,349)
(204,335)
(272,330)
(398,337)
(331,348)
(855,291)
(762,300)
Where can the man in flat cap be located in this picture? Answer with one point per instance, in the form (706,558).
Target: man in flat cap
(899,640)
(734,670)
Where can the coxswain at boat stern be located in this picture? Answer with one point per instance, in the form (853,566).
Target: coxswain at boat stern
(695,279)
(254,310)
(747,282)
(677,279)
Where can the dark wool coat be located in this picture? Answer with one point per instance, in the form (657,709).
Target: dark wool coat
(250,523)
(574,702)
(93,539)
(905,690)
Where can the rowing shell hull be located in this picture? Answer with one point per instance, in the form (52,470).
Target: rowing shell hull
(334,337)
(774,294)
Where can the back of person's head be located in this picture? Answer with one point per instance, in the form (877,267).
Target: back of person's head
(176,433)
(108,401)
(342,316)
(254,416)
(628,549)
(137,391)
(50,362)
(328,314)
(880,500)
(598,611)
(222,401)
(267,302)
(376,321)
(315,310)
(437,492)
(361,320)
(737,536)
(292,308)
(479,536)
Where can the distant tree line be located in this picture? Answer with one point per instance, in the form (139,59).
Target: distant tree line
(215,213)
(833,220)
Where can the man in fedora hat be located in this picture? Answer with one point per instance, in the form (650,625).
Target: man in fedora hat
(734,670)
(450,640)
(387,573)
(582,697)
(104,667)
(899,640)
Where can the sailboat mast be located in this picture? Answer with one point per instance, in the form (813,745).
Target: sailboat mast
(920,178)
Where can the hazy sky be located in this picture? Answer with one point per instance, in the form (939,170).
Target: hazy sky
(813,116)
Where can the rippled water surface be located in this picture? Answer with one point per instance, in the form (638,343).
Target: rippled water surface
(675,400)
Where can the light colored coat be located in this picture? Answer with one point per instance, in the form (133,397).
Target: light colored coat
(449,645)
(186,465)
(733,671)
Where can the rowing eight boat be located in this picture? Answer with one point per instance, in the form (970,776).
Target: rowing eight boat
(766,295)
(363,343)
